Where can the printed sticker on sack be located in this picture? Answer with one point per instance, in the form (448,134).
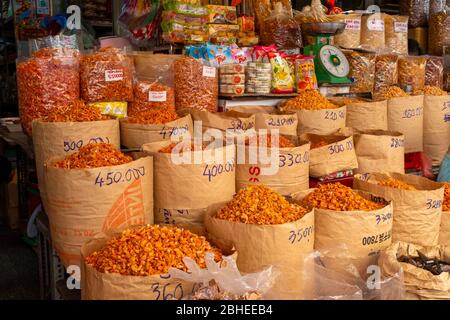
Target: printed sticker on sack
(401,27)
(209,72)
(113,75)
(375,25)
(352,24)
(157,96)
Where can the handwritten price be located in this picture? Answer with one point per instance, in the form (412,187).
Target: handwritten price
(339,148)
(119,177)
(333,116)
(434,204)
(239,125)
(411,113)
(296,236)
(383,217)
(76,145)
(367,241)
(167,132)
(290,160)
(397,143)
(213,171)
(168,291)
(280,122)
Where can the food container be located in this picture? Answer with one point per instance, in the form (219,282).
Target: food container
(232,79)
(232,89)
(236,68)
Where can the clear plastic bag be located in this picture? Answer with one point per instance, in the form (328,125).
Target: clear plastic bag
(438,33)
(397,34)
(386,72)
(107,75)
(434,72)
(351,37)
(362,71)
(49,79)
(196,85)
(417,10)
(437,6)
(151,94)
(281,29)
(411,73)
(373,32)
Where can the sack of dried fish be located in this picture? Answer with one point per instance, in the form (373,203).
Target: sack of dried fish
(266,229)
(348,218)
(142,273)
(411,72)
(426,269)
(380,151)
(288,171)
(367,115)
(444,235)
(362,71)
(417,213)
(189,181)
(94,190)
(330,154)
(153,126)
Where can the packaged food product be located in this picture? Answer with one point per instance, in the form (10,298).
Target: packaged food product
(351,37)
(396,34)
(437,6)
(107,75)
(150,94)
(260,53)
(246,24)
(281,29)
(223,30)
(362,71)
(438,35)
(282,79)
(49,79)
(233,68)
(431,91)
(185,8)
(262,8)
(386,73)
(116,109)
(248,40)
(183,18)
(222,14)
(232,89)
(218,55)
(417,10)
(241,55)
(305,75)
(196,85)
(232,79)
(434,71)
(411,72)
(373,32)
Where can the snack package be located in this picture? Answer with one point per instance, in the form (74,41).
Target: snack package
(397,34)
(438,33)
(411,73)
(113,109)
(282,79)
(183,18)
(373,32)
(241,55)
(305,74)
(221,14)
(246,24)
(260,53)
(218,55)
(386,72)
(434,72)
(350,38)
(185,8)
(362,71)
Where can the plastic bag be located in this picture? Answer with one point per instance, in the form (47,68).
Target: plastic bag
(438,33)
(281,29)
(373,32)
(437,6)
(263,9)
(316,12)
(227,277)
(149,94)
(411,73)
(282,78)
(362,71)
(397,34)
(386,72)
(417,10)
(196,85)
(434,72)
(49,79)
(107,75)
(140,18)
(305,75)
(351,37)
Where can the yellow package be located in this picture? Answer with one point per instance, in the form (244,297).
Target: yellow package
(114,109)
(282,77)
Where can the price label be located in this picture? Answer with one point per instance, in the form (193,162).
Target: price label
(401,27)
(209,72)
(352,24)
(113,75)
(375,25)
(157,96)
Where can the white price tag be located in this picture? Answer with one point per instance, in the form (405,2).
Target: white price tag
(401,27)
(375,25)
(157,96)
(352,24)
(113,75)
(209,72)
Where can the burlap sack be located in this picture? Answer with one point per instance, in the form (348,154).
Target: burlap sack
(232,121)
(183,192)
(134,136)
(436,127)
(417,213)
(292,175)
(380,151)
(64,138)
(361,233)
(444,233)
(368,115)
(338,155)
(286,123)
(85,202)
(324,121)
(110,286)
(259,246)
(419,283)
(405,115)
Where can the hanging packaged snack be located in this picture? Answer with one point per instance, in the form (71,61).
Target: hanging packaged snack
(386,73)
(434,72)
(372,32)
(281,29)
(362,71)
(49,79)
(438,35)
(411,73)
(107,75)
(350,38)
(397,34)
(196,85)
(223,33)
(221,14)
(246,24)
(305,74)
(282,79)
(417,10)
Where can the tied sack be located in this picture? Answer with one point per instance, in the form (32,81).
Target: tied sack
(258,246)
(337,154)
(291,169)
(183,191)
(417,213)
(324,121)
(367,115)
(362,234)
(135,135)
(420,284)
(405,115)
(85,202)
(60,139)
(436,127)
(380,151)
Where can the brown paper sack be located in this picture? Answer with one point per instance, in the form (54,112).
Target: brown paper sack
(405,115)
(370,115)
(233,121)
(85,202)
(64,138)
(254,109)
(292,175)
(419,283)
(286,123)
(134,136)
(417,213)
(338,155)
(361,233)
(183,192)
(380,151)
(96,285)
(444,234)
(259,246)
(324,121)
(436,127)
